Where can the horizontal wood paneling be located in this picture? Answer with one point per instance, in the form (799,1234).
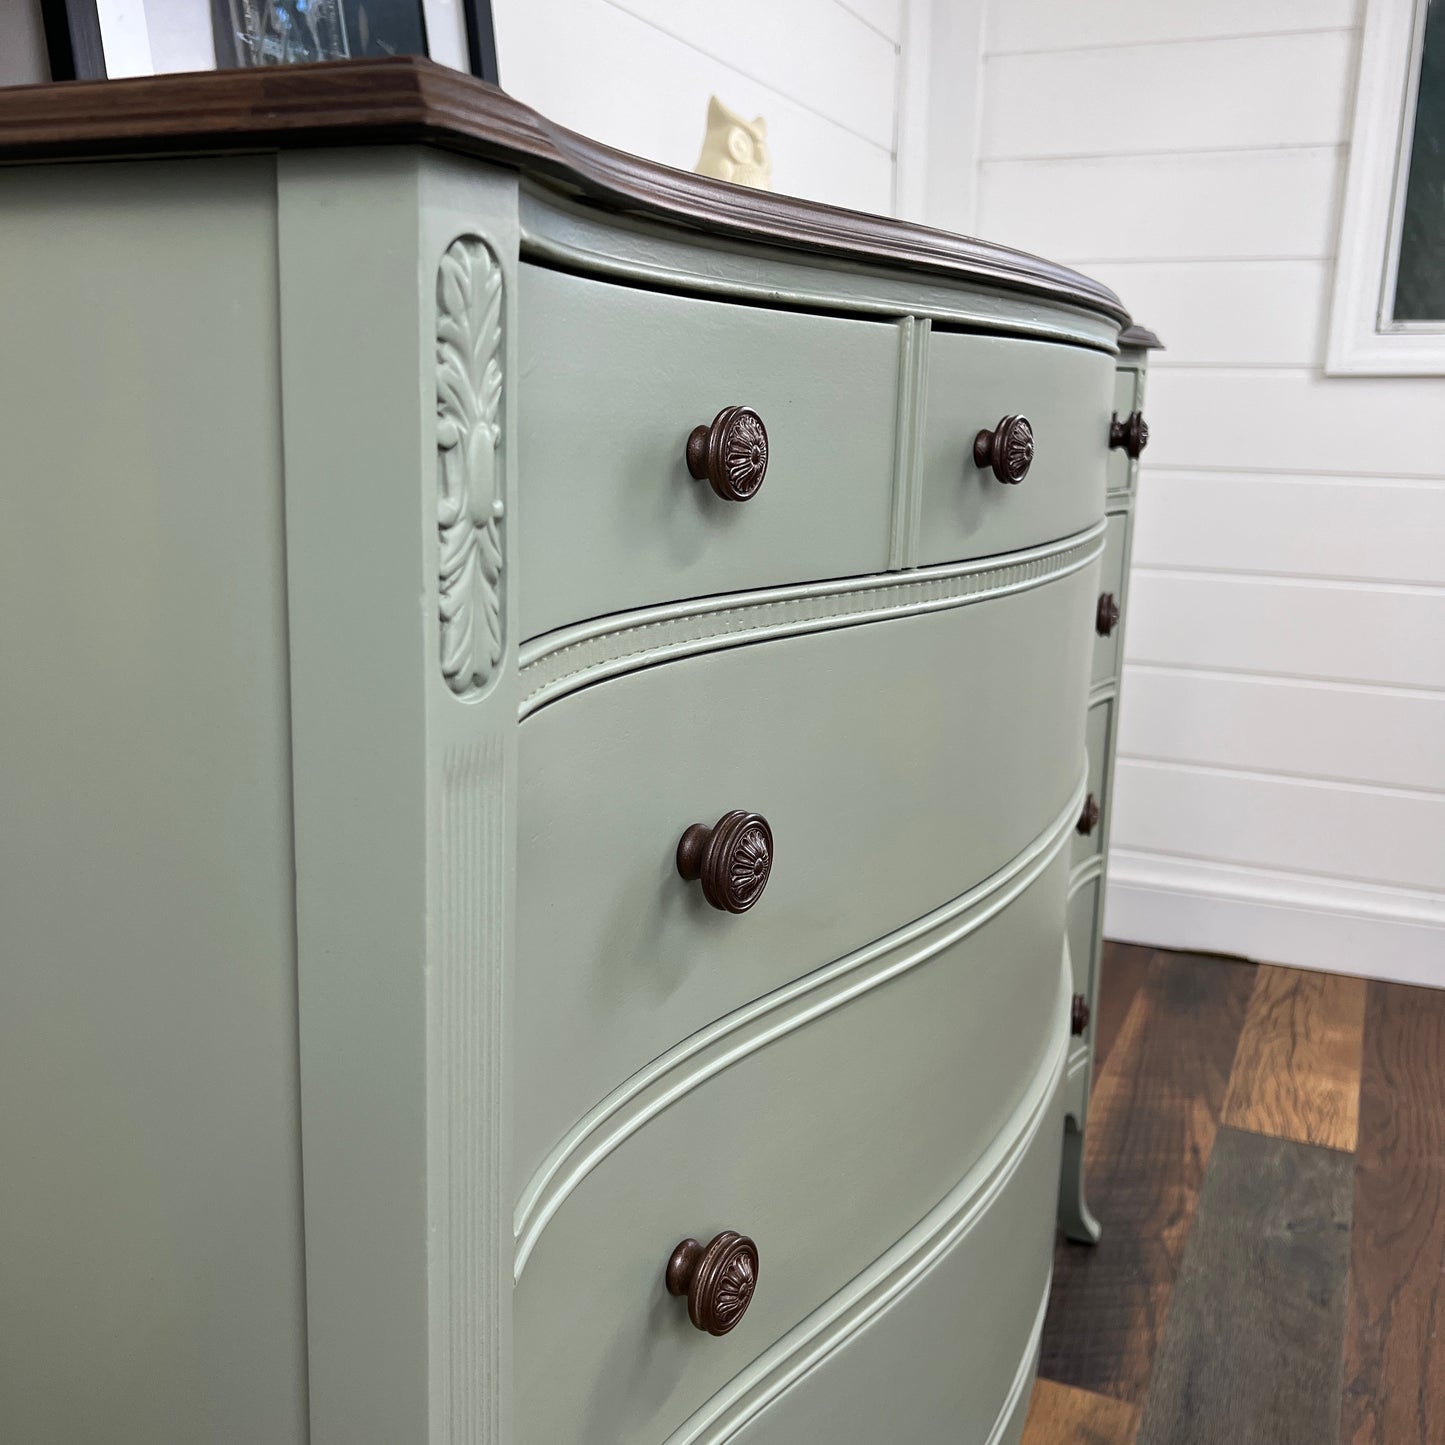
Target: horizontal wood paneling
(1199,307)
(1297,422)
(814,51)
(1220,204)
(1324,631)
(598,69)
(1027,25)
(1339,732)
(1286,637)
(1138,98)
(1307,827)
(1336,527)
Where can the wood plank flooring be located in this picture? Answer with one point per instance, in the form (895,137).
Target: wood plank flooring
(1266,1153)
(1297,1073)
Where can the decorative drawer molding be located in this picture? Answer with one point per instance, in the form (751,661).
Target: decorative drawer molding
(850,1311)
(734,1037)
(572,658)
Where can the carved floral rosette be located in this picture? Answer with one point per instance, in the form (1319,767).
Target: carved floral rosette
(469,474)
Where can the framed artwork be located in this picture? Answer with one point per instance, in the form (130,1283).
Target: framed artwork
(100,39)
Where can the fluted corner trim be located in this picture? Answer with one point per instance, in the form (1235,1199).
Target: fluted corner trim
(572,658)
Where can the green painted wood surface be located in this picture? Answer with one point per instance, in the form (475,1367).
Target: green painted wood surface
(613,380)
(824,1147)
(892,782)
(974,381)
(150,1198)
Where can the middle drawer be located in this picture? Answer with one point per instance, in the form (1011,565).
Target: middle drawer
(897,763)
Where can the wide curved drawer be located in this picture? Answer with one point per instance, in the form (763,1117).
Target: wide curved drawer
(898,764)
(973,383)
(613,379)
(826,1144)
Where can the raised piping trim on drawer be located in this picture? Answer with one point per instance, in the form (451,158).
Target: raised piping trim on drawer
(854,1307)
(732,1038)
(575,657)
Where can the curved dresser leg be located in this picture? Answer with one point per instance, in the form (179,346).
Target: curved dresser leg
(1074,1217)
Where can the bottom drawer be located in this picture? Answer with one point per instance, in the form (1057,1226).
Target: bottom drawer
(827,1130)
(936,1341)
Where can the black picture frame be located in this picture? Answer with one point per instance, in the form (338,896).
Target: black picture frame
(77,48)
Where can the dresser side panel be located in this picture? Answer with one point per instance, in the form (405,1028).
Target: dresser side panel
(150,1201)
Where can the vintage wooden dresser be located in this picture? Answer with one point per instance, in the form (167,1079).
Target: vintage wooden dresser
(550,713)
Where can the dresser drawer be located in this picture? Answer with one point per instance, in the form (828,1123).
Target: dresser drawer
(1109,609)
(973,383)
(825,1145)
(1089,835)
(613,381)
(891,779)
(1128,398)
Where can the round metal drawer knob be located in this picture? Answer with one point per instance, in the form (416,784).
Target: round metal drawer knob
(1132,435)
(1079,1015)
(1089,817)
(731,860)
(718,1279)
(1106,615)
(731,455)
(1008,449)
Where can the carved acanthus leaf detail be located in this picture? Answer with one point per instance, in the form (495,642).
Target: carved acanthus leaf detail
(469,475)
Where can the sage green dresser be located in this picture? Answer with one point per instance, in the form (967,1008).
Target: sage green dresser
(548,706)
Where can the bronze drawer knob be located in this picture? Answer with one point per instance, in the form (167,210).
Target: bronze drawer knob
(1132,435)
(731,455)
(718,1279)
(1106,615)
(1089,817)
(1079,1015)
(1008,449)
(732,859)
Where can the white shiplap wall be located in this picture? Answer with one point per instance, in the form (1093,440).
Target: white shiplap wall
(1281,786)
(638,73)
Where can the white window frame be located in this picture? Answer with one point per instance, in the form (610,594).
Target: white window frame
(1364,339)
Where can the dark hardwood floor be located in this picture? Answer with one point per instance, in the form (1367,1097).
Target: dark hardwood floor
(1266,1153)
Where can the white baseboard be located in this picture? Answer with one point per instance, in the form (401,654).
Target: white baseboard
(1276,917)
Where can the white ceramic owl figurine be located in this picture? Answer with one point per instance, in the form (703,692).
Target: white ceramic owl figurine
(734,149)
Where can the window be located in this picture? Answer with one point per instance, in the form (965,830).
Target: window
(1388,316)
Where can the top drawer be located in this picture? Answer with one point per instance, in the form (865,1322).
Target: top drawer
(614,379)
(973,383)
